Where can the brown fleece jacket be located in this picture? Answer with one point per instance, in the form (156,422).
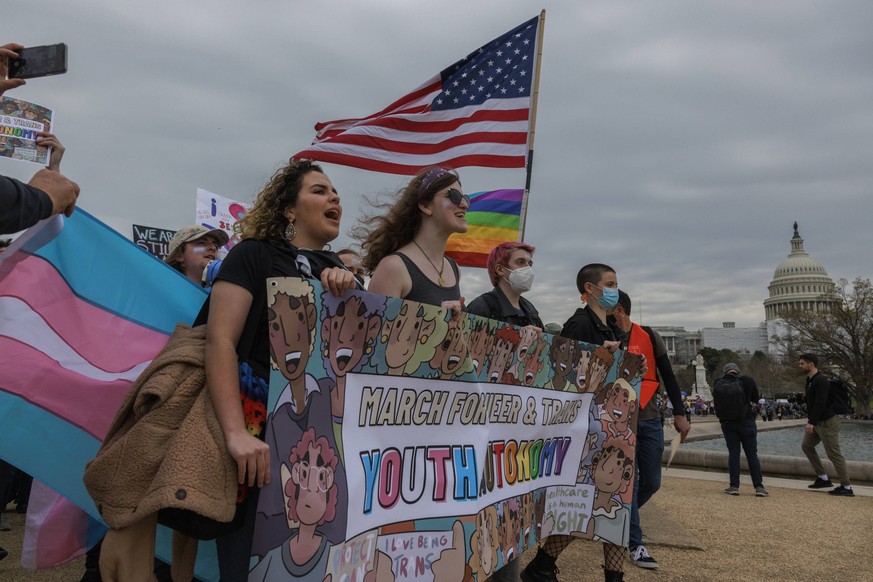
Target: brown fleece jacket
(165,447)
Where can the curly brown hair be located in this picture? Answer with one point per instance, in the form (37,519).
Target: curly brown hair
(265,219)
(382,234)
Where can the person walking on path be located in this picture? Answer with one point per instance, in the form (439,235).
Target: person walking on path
(822,426)
(735,395)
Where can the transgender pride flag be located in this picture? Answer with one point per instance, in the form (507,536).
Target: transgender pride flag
(82,312)
(493,218)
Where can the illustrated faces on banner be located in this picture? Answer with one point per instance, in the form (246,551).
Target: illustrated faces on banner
(451,358)
(500,359)
(349,330)
(412,336)
(388,454)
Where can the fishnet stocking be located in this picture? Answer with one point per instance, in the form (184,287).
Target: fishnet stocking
(613,557)
(554,545)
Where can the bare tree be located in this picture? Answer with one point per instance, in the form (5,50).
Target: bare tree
(842,337)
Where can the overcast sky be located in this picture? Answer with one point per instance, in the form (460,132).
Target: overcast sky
(676,140)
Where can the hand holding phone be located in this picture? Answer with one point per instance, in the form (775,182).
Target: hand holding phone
(39,61)
(7,52)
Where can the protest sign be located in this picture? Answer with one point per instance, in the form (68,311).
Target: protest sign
(406,445)
(20,123)
(214,211)
(154,240)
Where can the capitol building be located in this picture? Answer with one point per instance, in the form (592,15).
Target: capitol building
(798,283)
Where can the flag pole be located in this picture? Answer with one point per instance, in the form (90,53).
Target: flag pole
(533,122)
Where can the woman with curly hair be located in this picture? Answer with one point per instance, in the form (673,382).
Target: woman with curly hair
(283,235)
(406,246)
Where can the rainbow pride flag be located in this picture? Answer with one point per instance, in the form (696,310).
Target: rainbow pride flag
(494,217)
(83,311)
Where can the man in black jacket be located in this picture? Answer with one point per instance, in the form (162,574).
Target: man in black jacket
(822,426)
(598,288)
(740,431)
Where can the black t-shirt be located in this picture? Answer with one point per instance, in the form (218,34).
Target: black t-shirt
(249,264)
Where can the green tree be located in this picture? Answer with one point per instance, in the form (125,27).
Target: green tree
(716,359)
(711,357)
(842,337)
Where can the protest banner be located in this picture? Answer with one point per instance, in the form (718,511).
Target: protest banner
(406,445)
(214,211)
(20,123)
(154,240)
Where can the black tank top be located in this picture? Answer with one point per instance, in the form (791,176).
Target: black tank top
(426,291)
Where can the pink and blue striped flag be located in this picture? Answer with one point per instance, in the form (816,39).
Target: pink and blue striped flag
(493,217)
(82,312)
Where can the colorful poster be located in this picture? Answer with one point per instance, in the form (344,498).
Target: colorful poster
(409,446)
(214,211)
(20,123)
(154,240)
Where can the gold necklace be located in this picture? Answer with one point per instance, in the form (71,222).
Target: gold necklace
(439,271)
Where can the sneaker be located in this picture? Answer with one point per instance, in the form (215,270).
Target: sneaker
(641,558)
(732,490)
(4,525)
(842,492)
(761,492)
(821,484)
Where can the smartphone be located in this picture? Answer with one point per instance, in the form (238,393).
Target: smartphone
(39,61)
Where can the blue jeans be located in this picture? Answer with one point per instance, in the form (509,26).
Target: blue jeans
(745,433)
(647,478)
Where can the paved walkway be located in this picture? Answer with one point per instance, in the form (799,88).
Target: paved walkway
(661,529)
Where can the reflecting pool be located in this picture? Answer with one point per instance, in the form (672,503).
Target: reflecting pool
(856,441)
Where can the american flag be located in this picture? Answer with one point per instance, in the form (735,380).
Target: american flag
(474,113)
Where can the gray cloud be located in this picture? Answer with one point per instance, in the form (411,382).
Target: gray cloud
(677,141)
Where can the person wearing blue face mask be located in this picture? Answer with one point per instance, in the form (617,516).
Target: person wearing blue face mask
(598,286)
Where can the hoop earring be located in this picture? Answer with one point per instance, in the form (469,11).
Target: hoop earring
(290,231)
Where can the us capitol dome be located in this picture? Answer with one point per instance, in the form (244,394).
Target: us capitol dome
(798,283)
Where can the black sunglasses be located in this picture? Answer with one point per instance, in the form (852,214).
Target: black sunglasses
(455,196)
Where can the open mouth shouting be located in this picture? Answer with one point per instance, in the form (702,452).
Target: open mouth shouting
(617,413)
(334,214)
(494,377)
(292,361)
(343,355)
(454,361)
(528,378)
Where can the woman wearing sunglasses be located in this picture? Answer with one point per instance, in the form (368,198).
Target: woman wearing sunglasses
(406,246)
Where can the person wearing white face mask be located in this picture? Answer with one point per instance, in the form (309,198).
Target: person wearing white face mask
(510,267)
